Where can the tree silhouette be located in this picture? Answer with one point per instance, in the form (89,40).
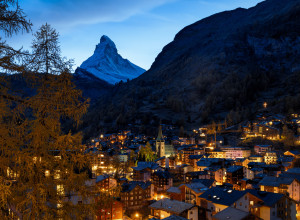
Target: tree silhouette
(42,167)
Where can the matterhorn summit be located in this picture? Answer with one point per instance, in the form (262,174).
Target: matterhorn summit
(108,65)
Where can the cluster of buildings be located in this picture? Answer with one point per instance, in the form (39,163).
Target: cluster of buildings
(194,178)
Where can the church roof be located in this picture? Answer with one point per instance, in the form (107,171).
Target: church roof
(159,136)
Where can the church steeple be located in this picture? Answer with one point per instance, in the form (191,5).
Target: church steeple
(159,136)
(160,143)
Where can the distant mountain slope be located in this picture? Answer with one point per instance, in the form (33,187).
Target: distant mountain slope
(108,65)
(229,62)
(91,86)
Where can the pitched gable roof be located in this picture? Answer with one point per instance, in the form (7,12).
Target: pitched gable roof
(196,187)
(128,187)
(275,181)
(145,165)
(231,213)
(268,198)
(172,206)
(222,196)
(207,182)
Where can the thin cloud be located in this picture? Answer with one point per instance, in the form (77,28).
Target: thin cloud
(78,12)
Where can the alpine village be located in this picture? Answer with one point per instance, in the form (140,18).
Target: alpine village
(210,131)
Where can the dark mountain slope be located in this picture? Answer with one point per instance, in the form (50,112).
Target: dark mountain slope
(91,86)
(231,61)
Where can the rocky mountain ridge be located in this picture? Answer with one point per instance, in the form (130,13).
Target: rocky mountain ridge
(106,64)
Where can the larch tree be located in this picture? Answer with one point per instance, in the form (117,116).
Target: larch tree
(12,21)
(43,170)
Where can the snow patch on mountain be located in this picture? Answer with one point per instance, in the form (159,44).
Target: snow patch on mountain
(108,65)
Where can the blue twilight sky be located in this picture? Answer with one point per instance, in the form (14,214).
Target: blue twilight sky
(139,28)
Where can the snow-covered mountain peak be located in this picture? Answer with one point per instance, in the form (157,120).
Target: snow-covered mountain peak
(108,65)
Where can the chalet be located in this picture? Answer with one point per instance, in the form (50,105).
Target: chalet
(175,193)
(99,161)
(269,206)
(217,173)
(285,185)
(180,171)
(216,199)
(189,176)
(105,182)
(135,194)
(241,162)
(267,131)
(262,149)
(144,170)
(192,191)
(114,211)
(234,174)
(162,180)
(193,160)
(287,162)
(204,163)
(256,171)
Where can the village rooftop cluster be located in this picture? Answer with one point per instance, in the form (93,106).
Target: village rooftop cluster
(212,174)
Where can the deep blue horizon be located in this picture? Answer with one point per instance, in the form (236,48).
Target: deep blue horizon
(139,28)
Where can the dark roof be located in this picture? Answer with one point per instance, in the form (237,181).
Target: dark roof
(127,187)
(222,196)
(290,175)
(195,157)
(262,145)
(268,198)
(174,217)
(256,164)
(240,159)
(207,182)
(196,187)
(231,213)
(257,169)
(145,165)
(233,169)
(276,181)
(172,206)
(207,161)
(196,173)
(295,170)
(174,189)
(101,177)
(285,159)
(213,168)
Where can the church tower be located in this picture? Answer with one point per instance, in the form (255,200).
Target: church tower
(160,143)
